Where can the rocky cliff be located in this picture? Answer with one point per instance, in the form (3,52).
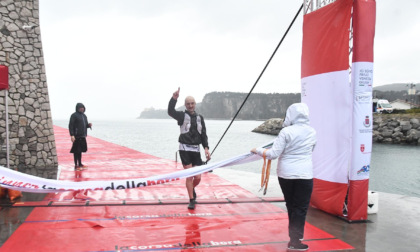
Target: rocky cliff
(224,105)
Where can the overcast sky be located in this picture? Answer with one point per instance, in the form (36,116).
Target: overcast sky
(119,57)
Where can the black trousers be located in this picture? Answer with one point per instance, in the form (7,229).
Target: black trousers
(297,194)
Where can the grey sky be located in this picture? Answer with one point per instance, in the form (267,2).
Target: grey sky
(119,57)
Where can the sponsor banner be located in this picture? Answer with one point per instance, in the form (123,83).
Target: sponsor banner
(329,99)
(27,183)
(362,136)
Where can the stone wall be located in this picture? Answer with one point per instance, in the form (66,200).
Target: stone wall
(32,142)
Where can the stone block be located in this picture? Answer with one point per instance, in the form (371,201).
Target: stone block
(386,133)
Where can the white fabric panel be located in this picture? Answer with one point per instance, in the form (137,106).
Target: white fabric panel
(329,97)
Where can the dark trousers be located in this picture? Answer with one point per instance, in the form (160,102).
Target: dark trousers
(297,194)
(77,158)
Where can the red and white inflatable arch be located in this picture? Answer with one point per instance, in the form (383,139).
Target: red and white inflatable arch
(340,104)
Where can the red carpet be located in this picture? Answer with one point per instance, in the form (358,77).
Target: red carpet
(154,218)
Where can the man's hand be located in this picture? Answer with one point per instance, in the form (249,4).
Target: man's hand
(90,125)
(254,150)
(208,157)
(175,95)
(73,139)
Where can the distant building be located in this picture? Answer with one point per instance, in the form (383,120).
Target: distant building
(401,104)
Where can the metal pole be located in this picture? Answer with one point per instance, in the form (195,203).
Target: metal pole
(7,128)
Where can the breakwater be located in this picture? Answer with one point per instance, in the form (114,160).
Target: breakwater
(386,128)
(396,129)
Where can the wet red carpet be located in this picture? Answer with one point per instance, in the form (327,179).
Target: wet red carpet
(154,218)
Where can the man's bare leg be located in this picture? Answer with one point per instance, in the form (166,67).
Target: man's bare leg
(196,181)
(189,183)
(190,187)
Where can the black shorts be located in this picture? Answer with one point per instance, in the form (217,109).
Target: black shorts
(190,157)
(79,145)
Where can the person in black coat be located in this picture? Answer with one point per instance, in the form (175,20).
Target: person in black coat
(78,126)
(193,134)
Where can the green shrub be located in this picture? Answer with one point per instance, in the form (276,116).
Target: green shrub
(413,111)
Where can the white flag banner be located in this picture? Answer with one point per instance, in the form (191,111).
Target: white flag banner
(27,183)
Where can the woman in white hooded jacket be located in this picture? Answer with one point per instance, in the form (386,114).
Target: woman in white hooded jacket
(293,147)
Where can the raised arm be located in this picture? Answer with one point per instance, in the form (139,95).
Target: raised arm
(177,115)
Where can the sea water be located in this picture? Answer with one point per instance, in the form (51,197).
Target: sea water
(394,168)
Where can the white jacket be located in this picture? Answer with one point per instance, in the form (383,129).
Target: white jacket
(294,145)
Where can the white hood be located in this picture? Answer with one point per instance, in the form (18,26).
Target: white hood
(294,145)
(297,113)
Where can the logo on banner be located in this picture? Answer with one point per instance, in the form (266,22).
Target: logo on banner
(192,244)
(365,77)
(365,169)
(366,122)
(303,89)
(363,148)
(363,99)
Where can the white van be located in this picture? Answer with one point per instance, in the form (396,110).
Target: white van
(381,106)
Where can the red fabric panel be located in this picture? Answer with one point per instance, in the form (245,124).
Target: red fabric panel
(329,196)
(4,77)
(325,46)
(364,16)
(358,200)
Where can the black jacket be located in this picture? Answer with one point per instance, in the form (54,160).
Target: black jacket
(78,122)
(193,135)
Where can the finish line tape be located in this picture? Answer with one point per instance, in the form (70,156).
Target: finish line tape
(28,183)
